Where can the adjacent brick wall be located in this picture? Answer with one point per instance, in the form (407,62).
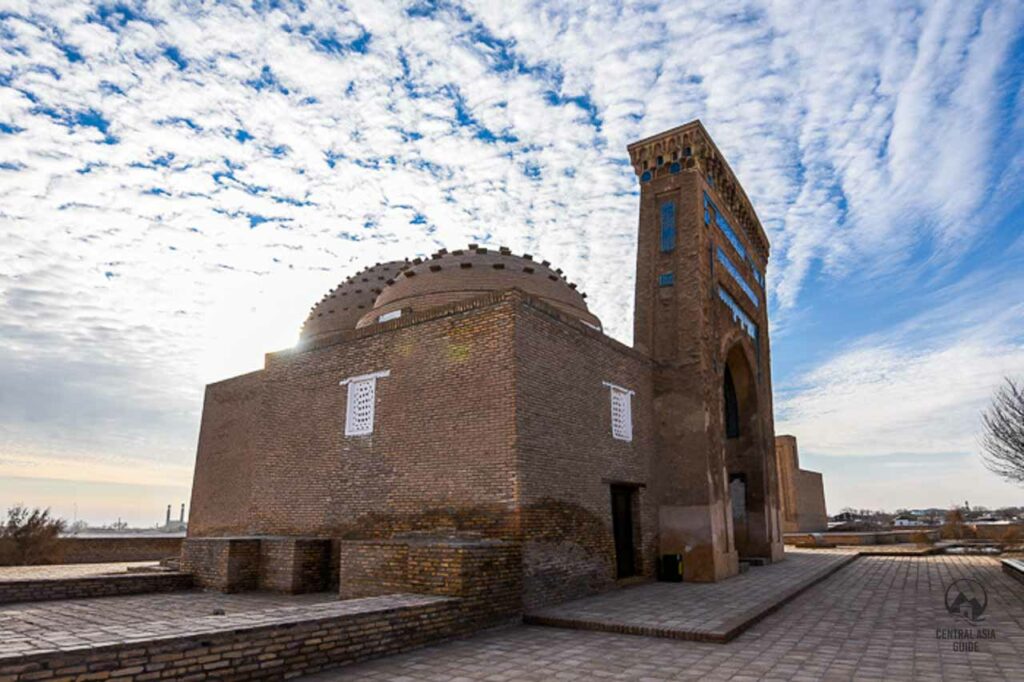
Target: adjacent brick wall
(485,574)
(368,568)
(568,458)
(294,565)
(304,641)
(225,564)
(12,591)
(102,550)
(1006,532)
(802,492)
(225,464)
(273,458)
(866,538)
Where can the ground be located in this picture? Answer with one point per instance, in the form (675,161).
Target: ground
(869,618)
(875,619)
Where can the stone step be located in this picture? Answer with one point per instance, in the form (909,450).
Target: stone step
(1014,568)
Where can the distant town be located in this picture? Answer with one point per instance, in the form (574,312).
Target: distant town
(849,519)
(177,525)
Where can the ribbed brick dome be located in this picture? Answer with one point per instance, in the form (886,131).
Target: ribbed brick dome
(464,274)
(343,305)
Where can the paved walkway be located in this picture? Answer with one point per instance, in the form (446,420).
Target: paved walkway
(714,612)
(60,571)
(33,627)
(876,619)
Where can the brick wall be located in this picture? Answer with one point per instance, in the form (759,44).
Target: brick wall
(278,463)
(226,460)
(368,568)
(811,514)
(86,550)
(802,492)
(485,574)
(12,591)
(107,550)
(225,564)
(294,565)
(568,457)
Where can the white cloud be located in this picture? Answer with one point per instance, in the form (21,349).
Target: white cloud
(860,136)
(919,388)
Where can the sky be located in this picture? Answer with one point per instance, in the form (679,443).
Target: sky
(181,181)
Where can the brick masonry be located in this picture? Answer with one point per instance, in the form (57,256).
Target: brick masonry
(693,338)
(568,458)
(400,480)
(294,565)
(802,492)
(866,538)
(225,564)
(102,550)
(13,591)
(486,575)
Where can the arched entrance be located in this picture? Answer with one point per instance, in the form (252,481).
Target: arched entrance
(745,458)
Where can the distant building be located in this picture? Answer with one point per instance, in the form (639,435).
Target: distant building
(179,526)
(905,520)
(802,492)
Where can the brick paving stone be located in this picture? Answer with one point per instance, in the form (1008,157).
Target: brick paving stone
(33,627)
(703,611)
(875,619)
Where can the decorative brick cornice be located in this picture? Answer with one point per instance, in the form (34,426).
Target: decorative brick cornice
(691,147)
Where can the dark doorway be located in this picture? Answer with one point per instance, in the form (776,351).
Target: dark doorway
(732,406)
(738,497)
(622,527)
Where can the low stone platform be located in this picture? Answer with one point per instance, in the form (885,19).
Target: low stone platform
(200,635)
(1014,568)
(874,537)
(897,550)
(711,612)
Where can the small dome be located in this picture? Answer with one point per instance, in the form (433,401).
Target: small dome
(342,306)
(464,274)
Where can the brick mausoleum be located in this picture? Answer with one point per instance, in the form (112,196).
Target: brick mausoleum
(461,425)
(802,492)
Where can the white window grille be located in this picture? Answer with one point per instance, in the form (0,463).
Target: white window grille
(393,315)
(622,412)
(362,395)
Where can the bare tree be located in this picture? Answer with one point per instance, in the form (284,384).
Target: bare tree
(1003,441)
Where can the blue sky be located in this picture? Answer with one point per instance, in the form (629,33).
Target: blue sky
(179,182)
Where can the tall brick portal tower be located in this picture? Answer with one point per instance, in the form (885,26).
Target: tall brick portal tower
(700,314)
